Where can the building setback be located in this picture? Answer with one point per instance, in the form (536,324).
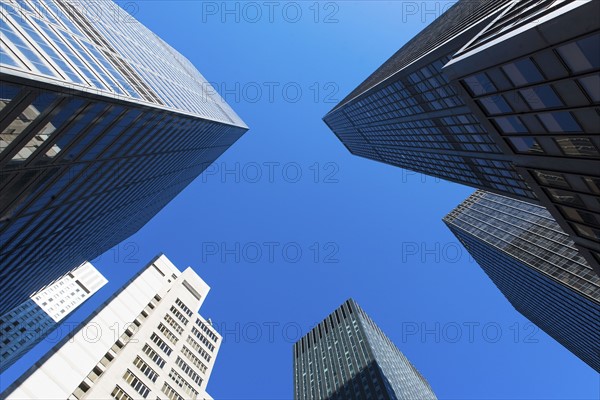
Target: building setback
(347,356)
(31,322)
(536,266)
(498,95)
(146,341)
(101,124)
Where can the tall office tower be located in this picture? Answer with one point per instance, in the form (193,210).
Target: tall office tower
(31,322)
(536,266)
(533,78)
(347,356)
(498,95)
(101,124)
(144,342)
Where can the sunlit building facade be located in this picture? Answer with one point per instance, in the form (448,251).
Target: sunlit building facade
(536,266)
(29,323)
(347,356)
(499,95)
(146,341)
(101,124)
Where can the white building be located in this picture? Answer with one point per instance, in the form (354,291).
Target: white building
(144,342)
(29,323)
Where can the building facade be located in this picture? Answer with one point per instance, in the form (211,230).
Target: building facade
(31,322)
(147,341)
(536,266)
(347,356)
(542,105)
(497,95)
(101,124)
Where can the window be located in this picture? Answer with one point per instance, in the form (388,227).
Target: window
(171,393)
(551,179)
(479,84)
(541,97)
(184,307)
(559,122)
(495,105)
(581,55)
(578,147)
(591,84)
(179,315)
(562,196)
(145,368)
(136,384)
(120,394)
(523,72)
(196,346)
(581,216)
(158,360)
(593,183)
(587,231)
(526,145)
(510,125)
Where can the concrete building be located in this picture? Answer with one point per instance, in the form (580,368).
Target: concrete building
(31,322)
(101,124)
(146,341)
(347,356)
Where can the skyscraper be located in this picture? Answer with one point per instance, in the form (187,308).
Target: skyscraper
(31,322)
(498,95)
(347,356)
(536,266)
(147,341)
(101,124)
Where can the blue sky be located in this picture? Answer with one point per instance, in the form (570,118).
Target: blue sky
(287,224)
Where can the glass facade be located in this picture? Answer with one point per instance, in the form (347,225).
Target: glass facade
(469,108)
(101,125)
(536,266)
(545,104)
(347,356)
(409,114)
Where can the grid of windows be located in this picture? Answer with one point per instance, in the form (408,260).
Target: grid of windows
(145,368)
(120,394)
(196,346)
(195,360)
(561,296)
(189,371)
(207,330)
(171,321)
(183,384)
(203,339)
(161,344)
(136,384)
(158,360)
(167,333)
(179,315)
(170,392)
(185,308)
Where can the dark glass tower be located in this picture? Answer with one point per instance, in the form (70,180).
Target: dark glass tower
(498,95)
(347,356)
(536,266)
(101,125)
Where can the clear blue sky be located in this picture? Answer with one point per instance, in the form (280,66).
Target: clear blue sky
(378,228)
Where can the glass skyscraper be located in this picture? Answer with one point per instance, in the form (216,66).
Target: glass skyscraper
(347,356)
(498,95)
(101,124)
(536,266)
